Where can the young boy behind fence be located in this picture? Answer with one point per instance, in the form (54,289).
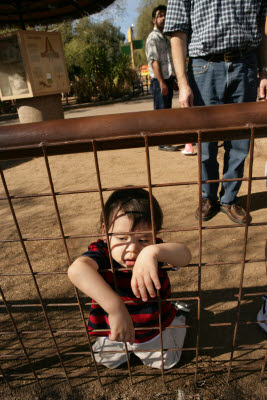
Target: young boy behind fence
(128,214)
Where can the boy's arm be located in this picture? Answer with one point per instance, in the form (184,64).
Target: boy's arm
(83,273)
(145,271)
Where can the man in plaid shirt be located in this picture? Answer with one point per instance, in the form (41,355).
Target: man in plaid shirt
(221,38)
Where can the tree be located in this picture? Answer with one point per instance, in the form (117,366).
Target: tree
(144,25)
(94,61)
(66,30)
(103,34)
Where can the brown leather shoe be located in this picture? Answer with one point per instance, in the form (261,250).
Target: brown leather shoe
(235,212)
(209,209)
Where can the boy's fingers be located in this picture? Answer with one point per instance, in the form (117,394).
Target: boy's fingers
(116,336)
(142,289)
(149,286)
(113,337)
(135,289)
(155,279)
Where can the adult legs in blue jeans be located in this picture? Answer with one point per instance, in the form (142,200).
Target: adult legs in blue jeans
(235,154)
(220,82)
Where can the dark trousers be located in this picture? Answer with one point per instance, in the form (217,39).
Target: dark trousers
(160,101)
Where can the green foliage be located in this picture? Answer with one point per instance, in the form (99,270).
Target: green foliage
(83,89)
(65,28)
(96,66)
(144,25)
(99,34)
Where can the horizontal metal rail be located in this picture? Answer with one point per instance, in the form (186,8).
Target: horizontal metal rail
(127,130)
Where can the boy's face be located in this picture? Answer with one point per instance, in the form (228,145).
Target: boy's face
(124,247)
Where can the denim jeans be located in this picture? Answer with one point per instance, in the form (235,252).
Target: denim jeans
(220,82)
(160,101)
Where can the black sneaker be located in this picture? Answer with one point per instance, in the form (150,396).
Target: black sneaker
(168,147)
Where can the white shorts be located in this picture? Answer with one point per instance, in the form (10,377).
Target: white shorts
(172,339)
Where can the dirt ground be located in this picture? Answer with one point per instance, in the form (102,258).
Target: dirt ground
(80,216)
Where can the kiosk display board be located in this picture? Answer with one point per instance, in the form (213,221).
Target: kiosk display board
(32,64)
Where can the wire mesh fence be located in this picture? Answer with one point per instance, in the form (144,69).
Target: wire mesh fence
(46,336)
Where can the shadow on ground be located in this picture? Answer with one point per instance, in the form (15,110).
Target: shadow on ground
(13,163)
(258,200)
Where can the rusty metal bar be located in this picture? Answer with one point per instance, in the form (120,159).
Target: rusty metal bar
(251,153)
(95,235)
(182,371)
(78,331)
(108,244)
(199,247)
(19,338)
(126,130)
(103,212)
(148,171)
(221,263)
(111,189)
(5,378)
(153,231)
(86,353)
(174,373)
(265,357)
(68,256)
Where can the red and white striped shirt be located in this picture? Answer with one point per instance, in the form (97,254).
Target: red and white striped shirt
(144,314)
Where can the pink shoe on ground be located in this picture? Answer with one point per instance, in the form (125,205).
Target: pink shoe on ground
(188,150)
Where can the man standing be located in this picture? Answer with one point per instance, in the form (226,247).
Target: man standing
(222,37)
(158,52)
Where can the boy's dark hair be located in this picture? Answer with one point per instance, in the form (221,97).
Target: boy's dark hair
(161,7)
(135,203)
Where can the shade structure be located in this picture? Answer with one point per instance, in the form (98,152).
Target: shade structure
(23,12)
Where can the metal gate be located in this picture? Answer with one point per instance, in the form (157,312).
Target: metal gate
(21,357)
